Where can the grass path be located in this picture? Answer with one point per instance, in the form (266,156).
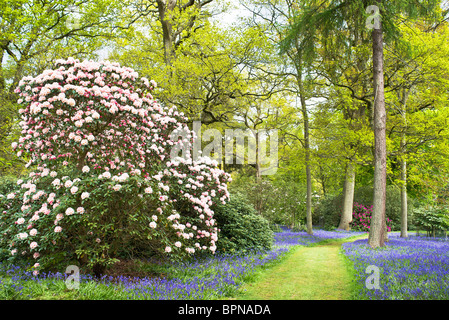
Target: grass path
(318,272)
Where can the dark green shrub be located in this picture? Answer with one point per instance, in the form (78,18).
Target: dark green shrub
(275,227)
(8,184)
(241,228)
(327,213)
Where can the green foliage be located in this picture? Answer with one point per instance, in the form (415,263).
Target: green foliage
(392,206)
(327,213)
(432,218)
(241,229)
(9,132)
(313,19)
(280,199)
(204,77)
(8,184)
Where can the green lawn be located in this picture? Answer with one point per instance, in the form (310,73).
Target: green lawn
(317,272)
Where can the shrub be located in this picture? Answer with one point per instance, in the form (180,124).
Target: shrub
(241,228)
(432,218)
(8,184)
(105,172)
(327,213)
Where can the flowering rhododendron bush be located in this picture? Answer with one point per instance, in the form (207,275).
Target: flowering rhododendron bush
(103,177)
(361,218)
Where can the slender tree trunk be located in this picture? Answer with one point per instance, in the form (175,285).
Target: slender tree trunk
(302,98)
(404,209)
(259,198)
(258,168)
(2,76)
(377,232)
(309,194)
(308,171)
(348,198)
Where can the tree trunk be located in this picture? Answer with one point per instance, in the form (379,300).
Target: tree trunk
(2,76)
(404,199)
(348,198)
(308,171)
(259,197)
(258,168)
(377,232)
(404,209)
(305,116)
(309,195)
(165,7)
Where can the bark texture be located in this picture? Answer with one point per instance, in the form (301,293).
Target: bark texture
(377,234)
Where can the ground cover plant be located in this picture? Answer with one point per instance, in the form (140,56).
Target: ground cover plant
(209,278)
(415,268)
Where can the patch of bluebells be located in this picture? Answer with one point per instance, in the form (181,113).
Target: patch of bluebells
(289,238)
(413,268)
(11,287)
(213,277)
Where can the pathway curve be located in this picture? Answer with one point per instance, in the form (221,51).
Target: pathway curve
(309,273)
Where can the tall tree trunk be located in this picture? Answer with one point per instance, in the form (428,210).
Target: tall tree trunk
(307,151)
(348,198)
(259,197)
(377,232)
(308,178)
(302,98)
(404,209)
